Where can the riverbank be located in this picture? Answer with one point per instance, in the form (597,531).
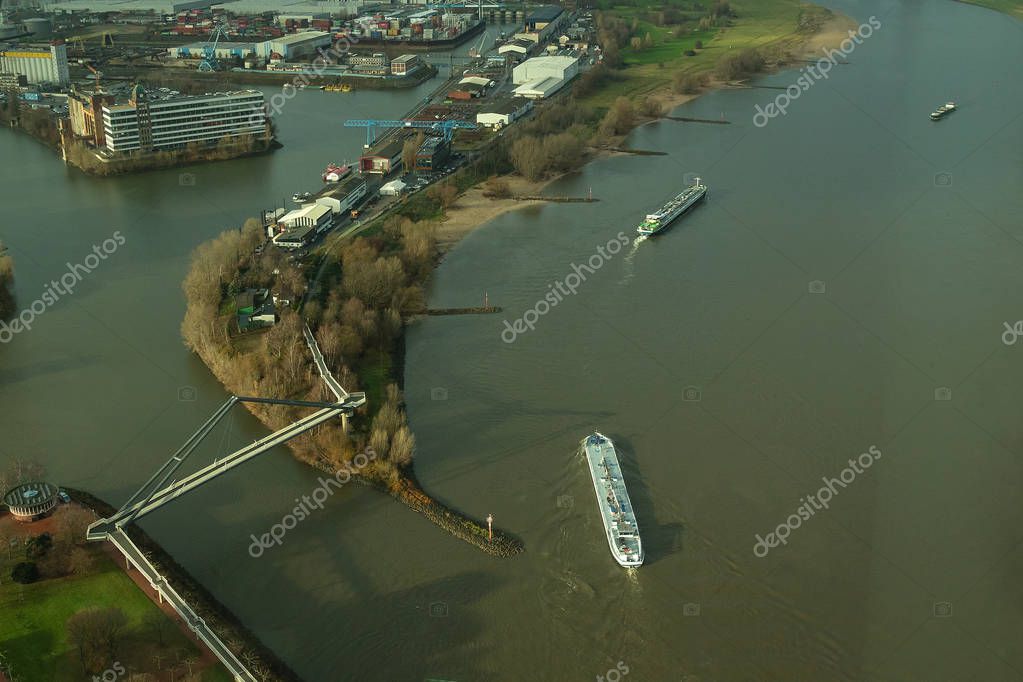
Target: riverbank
(812,30)
(84,158)
(74,575)
(475,208)
(245,645)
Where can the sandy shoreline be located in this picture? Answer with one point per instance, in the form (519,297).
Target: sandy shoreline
(472,210)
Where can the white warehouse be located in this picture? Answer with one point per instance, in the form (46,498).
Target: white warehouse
(541,77)
(542,68)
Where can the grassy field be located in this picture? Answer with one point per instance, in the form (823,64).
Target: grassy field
(773,24)
(33,633)
(1012,7)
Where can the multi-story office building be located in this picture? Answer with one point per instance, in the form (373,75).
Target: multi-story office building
(163,123)
(42,64)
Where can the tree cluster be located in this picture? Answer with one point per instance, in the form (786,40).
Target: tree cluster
(741,64)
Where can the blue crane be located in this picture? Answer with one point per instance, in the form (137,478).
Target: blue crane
(445,127)
(209,49)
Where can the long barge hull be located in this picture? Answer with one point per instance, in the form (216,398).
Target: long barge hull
(616,512)
(671,211)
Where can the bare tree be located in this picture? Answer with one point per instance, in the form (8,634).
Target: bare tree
(71,522)
(81,561)
(94,633)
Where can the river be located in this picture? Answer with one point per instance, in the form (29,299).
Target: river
(844,286)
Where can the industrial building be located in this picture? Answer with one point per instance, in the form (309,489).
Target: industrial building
(375,64)
(383,160)
(158,123)
(317,216)
(541,77)
(542,23)
(432,154)
(345,196)
(517,48)
(406,64)
(85,110)
(221,51)
(43,65)
(503,112)
(295,238)
(295,45)
(539,68)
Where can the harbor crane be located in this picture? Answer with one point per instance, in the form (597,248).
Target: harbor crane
(476,51)
(209,49)
(446,128)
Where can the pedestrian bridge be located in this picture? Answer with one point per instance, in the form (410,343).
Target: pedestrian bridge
(157,492)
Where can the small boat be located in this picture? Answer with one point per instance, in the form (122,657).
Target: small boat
(336,173)
(943,110)
(301,197)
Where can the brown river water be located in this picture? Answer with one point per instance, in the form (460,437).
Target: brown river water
(845,285)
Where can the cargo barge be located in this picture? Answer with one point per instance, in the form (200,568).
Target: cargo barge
(613,501)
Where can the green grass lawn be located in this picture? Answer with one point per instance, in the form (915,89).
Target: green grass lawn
(760,23)
(33,633)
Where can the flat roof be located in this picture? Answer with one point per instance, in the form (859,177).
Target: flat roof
(545,13)
(508,105)
(299,37)
(388,151)
(220,46)
(540,86)
(295,233)
(553,60)
(314,211)
(346,186)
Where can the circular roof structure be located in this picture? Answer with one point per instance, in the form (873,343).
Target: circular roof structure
(30,495)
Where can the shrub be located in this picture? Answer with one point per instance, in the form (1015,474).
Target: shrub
(25,572)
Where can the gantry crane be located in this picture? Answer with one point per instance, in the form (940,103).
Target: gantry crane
(446,128)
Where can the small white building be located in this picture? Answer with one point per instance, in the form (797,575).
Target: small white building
(316,216)
(516,48)
(393,188)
